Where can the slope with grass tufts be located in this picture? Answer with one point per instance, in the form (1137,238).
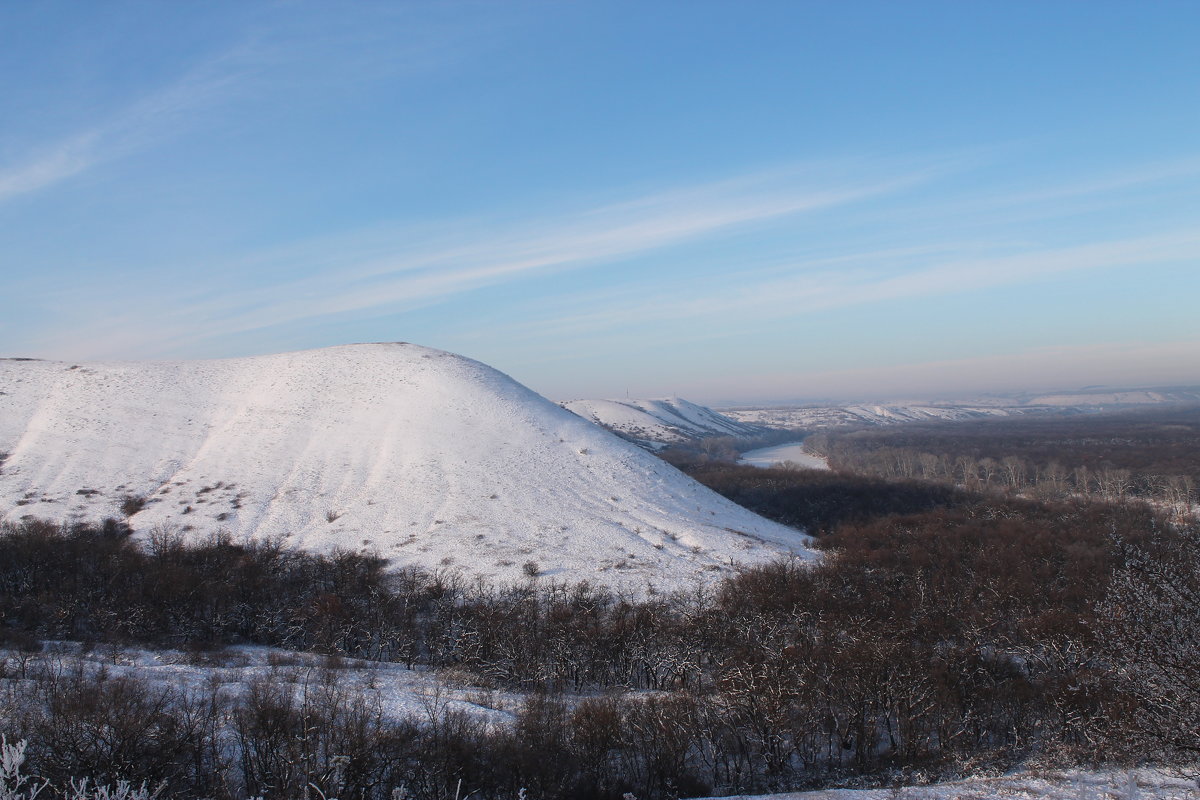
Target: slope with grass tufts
(425,457)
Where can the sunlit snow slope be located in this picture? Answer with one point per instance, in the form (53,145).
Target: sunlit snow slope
(426,457)
(660,422)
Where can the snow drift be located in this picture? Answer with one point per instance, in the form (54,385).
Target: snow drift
(425,457)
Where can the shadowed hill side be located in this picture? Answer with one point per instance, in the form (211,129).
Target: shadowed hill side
(656,423)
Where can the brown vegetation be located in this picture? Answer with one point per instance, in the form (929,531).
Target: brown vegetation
(976,607)
(976,631)
(1152,455)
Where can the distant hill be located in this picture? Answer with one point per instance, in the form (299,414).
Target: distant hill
(1083,401)
(819,417)
(656,423)
(426,457)
(1120,398)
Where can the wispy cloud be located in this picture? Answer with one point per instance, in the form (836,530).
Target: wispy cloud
(1018,203)
(388,271)
(64,160)
(282,54)
(1143,175)
(795,289)
(412,276)
(141,122)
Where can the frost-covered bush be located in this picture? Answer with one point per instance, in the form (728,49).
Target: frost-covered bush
(15,785)
(1149,628)
(82,789)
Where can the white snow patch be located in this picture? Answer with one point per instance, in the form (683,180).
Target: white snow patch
(1140,784)
(789,452)
(397,692)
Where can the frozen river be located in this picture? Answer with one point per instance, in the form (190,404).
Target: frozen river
(776,455)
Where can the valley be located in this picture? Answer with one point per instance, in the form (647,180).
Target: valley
(415,575)
(542,400)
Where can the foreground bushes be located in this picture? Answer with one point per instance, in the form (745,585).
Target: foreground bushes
(818,501)
(980,631)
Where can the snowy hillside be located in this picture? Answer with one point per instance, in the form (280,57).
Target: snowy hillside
(659,422)
(1136,397)
(816,417)
(425,457)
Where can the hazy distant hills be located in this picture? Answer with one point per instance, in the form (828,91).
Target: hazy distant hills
(816,417)
(1108,398)
(426,457)
(657,423)
(660,422)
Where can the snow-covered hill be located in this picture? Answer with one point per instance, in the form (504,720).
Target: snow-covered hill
(660,422)
(1118,399)
(817,417)
(426,457)
(1089,401)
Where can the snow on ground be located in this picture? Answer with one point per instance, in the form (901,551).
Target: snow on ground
(398,692)
(789,452)
(423,695)
(1141,784)
(660,422)
(422,456)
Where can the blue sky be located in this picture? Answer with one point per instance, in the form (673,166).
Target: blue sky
(734,201)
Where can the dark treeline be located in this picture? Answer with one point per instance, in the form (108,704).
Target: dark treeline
(1152,455)
(978,631)
(817,501)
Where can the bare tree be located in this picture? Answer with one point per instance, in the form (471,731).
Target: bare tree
(1149,627)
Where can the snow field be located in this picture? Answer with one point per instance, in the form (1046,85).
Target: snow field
(1141,784)
(789,452)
